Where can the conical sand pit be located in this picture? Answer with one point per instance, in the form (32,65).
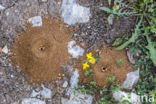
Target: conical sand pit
(40,51)
(111,63)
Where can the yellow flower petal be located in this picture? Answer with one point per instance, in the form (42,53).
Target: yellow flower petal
(92,60)
(85,66)
(116,7)
(89,55)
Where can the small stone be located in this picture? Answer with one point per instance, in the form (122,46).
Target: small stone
(130,97)
(74,79)
(75,51)
(131,80)
(76,98)
(46,93)
(59,74)
(36,21)
(32,101)
(131,57)
(35,92)
(2,7)
(65,84)
(5,49)
(74,13)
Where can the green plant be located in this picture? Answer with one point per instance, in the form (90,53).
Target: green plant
(141,42)
(89,73)
(90,88)
(108,91)
(135,34)
(119,62)
(110,79)
(120,12)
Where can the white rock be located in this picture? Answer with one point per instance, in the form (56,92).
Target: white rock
(32,101)
(36,21)
(123,96)
(77,98)
(131,80)
(5,49)
(74,79)
(76,50)
(2,7)
(65,84)
(74,13)
(46,93)
(35,92)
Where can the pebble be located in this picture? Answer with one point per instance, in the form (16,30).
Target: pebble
(32,101)
(65,84)
(36,21)
(2,7)
(46,93)
(5,49)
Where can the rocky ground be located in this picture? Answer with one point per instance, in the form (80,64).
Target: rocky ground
(14,86)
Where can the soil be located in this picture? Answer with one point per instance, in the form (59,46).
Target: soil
(109,65)
(40,51)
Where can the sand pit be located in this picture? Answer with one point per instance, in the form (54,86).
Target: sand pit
(40,51)
(111,63)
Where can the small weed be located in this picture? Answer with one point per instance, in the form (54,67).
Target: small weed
(108,91)
(119,62)
(141,41)
(89,73)
(88,88)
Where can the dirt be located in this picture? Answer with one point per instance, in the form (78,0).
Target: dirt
(40,51)
(111,63)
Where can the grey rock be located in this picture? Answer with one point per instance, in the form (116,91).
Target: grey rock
(74,79)
(46,93)
(77,98)
(35,92)
(131,80)
(74,13)
(123,96)
(76,50)
(36,21)
(32,101)
(65,84)
(5,49)
(2,7)
(131,57)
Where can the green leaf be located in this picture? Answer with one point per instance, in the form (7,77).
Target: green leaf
(110,19)
(106,9)
(93,83)
(151,47)
(134,36)
(118,41)
(110,79)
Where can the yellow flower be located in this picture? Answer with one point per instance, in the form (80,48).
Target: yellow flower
(92,60)
(116,7)
(85,66)
(89,55)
